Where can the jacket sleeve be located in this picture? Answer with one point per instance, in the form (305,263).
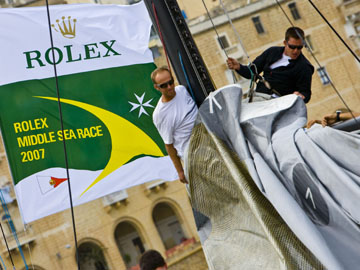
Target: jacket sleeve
(303,82)
(259,62)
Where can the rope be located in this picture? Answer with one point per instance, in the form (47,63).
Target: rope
(235,31)
(7,246)
(213,100)
(337,34)
(234,76)
(12,227)
(186,76)
(161,36)
(2,261)
(64,141)
(318,63)
(218,38)
(252,84)
(217,34)
(28,246)
(250,64)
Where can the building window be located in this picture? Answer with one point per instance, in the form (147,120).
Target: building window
(324,76)
(129,243)
(168,225)
(294,11)
(223,41)
(258,25)
(91,256)
(357,26)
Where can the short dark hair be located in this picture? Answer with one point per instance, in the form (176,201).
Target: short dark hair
(151,259)
(294,32)
(157,70)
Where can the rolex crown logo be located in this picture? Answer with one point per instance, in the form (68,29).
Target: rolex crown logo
(66,27)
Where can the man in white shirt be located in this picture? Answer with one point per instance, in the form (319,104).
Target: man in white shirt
(174,116)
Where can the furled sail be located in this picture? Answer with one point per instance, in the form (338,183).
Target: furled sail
(276,196)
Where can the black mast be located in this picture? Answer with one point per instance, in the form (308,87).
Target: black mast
(179,44)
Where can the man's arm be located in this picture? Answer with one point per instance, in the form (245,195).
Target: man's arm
(310,123)
(240,69)
(303,83)
(304,87)
(176,161)
(330,119)
(243,70)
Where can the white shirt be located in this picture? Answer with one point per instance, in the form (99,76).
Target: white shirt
(283,61)
(175,119)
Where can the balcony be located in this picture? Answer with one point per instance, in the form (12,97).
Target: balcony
(183,250)
(26,239)
(115,200)
(155,187)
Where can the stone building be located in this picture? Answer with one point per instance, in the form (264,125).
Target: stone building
(261,24)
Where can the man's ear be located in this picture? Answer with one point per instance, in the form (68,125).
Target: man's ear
(284,42)
(156,87)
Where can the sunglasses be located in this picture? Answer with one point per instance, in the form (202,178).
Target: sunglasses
(166,84)
(293,47)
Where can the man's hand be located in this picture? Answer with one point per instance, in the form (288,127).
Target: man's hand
(299,94)
(233,64)
(182,178)
(328,119)
(176,161)
(312,122)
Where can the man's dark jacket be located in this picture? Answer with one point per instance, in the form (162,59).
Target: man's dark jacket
(285,80)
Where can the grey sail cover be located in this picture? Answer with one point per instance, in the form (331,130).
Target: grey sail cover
(271,194)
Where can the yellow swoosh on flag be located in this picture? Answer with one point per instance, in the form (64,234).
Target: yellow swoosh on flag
(122,132)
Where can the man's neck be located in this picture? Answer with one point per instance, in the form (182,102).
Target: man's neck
(166,99)
(284,54)
(290,57)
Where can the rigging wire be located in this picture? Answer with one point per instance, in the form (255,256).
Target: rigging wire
(28,246)
(332,28)
(253,74)
(318,63)
(7,246)
(62,130)
(250,63)
(218,38)
(217,34)
(3,263)
(12,227)
(235,32)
